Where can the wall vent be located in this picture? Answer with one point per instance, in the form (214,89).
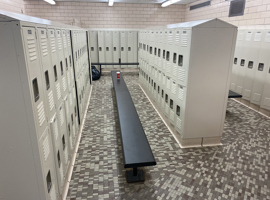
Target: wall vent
(237,8)
(200,5)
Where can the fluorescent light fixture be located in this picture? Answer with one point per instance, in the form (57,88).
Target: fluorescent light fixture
(110,2)
(50,2)
(170,2)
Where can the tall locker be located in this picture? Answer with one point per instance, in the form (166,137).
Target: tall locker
(116,48)
(124,48)
(108,37)
(252,62)
(265,101)
(132,47)
(94,46)
(24,103)
(101,47)
(261,68)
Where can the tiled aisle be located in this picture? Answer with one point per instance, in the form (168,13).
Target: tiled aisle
(240,169)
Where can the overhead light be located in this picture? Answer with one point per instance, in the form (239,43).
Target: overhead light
(170,2)
(50,2)
(110,2)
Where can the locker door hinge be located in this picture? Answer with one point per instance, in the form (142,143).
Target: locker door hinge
(36,35)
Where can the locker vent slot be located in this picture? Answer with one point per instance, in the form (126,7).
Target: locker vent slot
(181,93)
(179,123)
(49,181)
(32,48)
(260,67)
(68,77)
(174,70)
(172,115)
(171,103)
(258,37)
(173,88)
(67,108)
(68,39)
(53,44)
(35,89)
(55,73)
(184,39)
(58,159)
(247,93)
(240,36)
(167,109)
(168,68)
(61,116)
(59,42)
(248,36)
(180,60)
(164,80)
(55,130)
(46,148)
(267,37)
(44,46)
(181,75)
(122,48)
(266,101)
(53,194)
(170,38)
(64,83)
(166,98)
(64,41)
(257,97)
(58,91)
(177,38)
(168,83)
(174,58)
(41,113)
(47,80)
(51,100)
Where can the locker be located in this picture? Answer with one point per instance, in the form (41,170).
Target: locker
(265,101)
(132,47)
(94,46)
(101,47)
(124,48)
(261,69)
(252,58)
(116,48)
(190,72)
(108,48)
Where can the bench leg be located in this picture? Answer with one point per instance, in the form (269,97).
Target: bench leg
(135,175)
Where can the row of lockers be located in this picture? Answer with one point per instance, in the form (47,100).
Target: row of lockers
(111,46)
(188,78)
(251,67)
(45,84)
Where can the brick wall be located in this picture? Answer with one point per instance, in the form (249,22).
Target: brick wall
(12,5)
(100,15)
(257,12)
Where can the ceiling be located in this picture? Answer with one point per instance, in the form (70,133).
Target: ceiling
(134,1)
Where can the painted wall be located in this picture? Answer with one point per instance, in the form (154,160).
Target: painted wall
(100,15)
(12,5)
(257,12)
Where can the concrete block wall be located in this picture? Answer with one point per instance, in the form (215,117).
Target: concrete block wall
(257,12)
(12,5)
(100,15)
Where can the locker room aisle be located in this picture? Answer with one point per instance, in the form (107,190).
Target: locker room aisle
(239,169)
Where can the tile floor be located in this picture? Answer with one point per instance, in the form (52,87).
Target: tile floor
(240,169)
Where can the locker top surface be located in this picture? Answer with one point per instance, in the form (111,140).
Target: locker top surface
(208,23)
(6,16)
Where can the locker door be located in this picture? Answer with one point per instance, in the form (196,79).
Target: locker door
(131,48)
(265,102)
(55,66)
(47,72)
(58,152)
(124,46)
(94,46)
(61,59)
(108,48)
(101,46)
(116,48)
(66,58)
(48,165)
(261,69)
(35,78)
(248,36)
(237,59)
(252,58)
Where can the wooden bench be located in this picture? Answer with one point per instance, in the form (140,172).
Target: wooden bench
(135,146)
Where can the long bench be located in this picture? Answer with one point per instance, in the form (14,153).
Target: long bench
(136,149)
